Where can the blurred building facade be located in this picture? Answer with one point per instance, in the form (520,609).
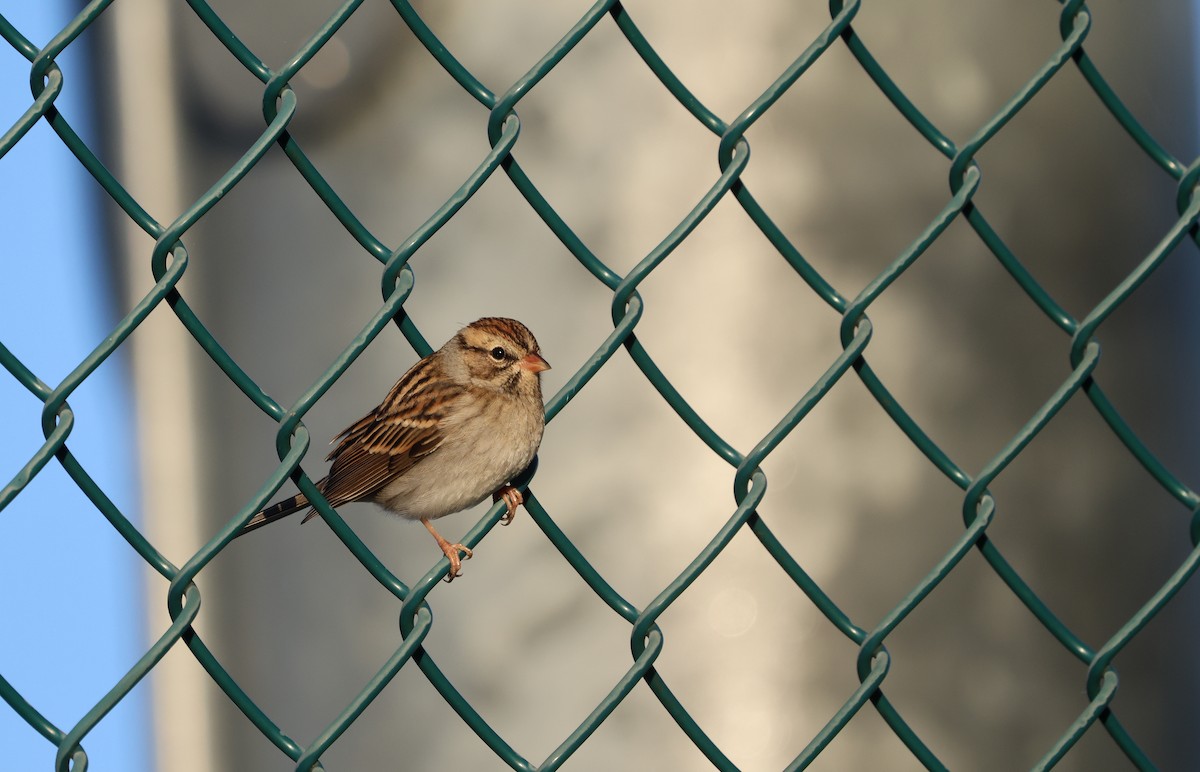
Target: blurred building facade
(284,289)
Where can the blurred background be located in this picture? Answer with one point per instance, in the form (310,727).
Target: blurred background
(284,289)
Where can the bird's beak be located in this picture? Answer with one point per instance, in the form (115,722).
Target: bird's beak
(534,363)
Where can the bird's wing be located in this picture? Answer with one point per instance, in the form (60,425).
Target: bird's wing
(384,444)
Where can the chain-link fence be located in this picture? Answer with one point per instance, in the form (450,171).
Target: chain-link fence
(784,545)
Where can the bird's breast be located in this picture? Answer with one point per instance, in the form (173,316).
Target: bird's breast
(484,447)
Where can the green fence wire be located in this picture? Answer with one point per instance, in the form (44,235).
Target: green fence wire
(169,262)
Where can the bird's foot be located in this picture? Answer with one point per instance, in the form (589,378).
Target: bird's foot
(451,551)
(512,499)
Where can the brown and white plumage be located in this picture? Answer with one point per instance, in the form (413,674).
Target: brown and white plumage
(457,427)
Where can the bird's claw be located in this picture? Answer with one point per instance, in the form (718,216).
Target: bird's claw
(451,551)
(512,499)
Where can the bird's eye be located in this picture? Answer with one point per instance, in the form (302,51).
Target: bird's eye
(498,354)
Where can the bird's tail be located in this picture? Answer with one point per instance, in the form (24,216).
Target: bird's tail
(275,512)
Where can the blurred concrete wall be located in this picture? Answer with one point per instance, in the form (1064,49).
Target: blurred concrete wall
(302,627)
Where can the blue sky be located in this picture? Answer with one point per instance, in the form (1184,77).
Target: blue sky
(71,601)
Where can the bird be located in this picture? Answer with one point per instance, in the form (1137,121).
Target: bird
(457,427)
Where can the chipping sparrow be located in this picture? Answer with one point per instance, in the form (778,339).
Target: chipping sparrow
(460,424)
